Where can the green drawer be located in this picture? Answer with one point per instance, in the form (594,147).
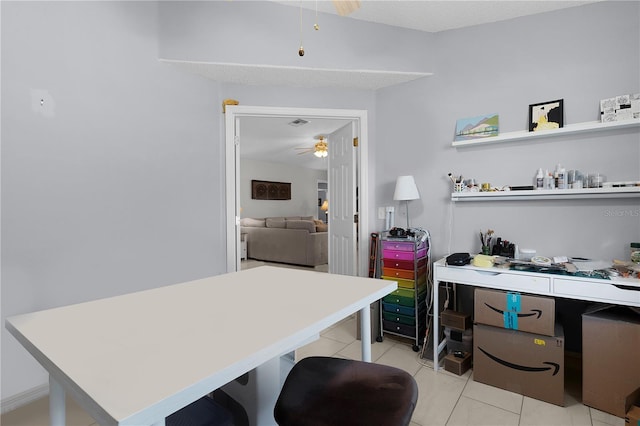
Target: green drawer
(404,296)
(398,318)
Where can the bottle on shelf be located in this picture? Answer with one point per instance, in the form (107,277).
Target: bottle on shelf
(539,180)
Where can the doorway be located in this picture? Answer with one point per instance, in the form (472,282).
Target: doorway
(233,125)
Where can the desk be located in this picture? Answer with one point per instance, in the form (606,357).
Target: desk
(137,358)
(621,291)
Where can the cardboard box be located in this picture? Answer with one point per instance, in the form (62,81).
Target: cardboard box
(533,314)
(455,320)
(610,358)
(633,416)
(456,365)
(525,363)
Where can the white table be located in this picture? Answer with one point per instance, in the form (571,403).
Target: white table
(621,291)
(137,358)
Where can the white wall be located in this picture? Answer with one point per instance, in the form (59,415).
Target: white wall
(116,184)
(304,185)
(503,67)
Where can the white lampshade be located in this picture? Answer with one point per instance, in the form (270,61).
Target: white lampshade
(406,189)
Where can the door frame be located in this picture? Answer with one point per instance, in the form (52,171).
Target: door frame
(232,172)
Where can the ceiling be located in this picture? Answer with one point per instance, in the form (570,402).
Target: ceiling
(435,16)
(273,140)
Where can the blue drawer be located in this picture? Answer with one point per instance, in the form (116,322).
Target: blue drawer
(399,309)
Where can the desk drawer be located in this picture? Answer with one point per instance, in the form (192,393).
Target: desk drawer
(398,273)
(496,279)
(605,291)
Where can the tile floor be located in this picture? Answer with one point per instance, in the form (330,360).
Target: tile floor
(444,398)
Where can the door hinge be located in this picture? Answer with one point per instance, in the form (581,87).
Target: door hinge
(355,142)
(355,218)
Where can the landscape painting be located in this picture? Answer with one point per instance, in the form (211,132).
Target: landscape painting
(477,127)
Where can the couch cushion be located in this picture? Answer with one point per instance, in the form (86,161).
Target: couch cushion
(306,218)
(292,218)
(275,222)
(301,224)
(253,223)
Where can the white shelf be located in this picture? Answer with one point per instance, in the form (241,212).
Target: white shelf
(590,126)
(548,194)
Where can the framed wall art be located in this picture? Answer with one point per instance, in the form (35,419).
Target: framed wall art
(266,190)
(546,115)
(476,127)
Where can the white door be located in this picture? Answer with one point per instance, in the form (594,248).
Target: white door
(342,202)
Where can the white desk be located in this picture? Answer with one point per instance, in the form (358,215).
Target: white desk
(137,358)
(621,291)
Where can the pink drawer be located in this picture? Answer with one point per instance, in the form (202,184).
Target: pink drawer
(403,245)
(402,255)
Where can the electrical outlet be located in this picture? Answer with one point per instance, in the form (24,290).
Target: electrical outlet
(381,213)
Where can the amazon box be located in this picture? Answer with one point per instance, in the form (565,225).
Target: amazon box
(525,363)
(515,311)
(610,358)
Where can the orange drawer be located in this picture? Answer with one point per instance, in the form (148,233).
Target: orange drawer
(398,273)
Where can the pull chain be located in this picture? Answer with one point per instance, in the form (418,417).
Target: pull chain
(301,50)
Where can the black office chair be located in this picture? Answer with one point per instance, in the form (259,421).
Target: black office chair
(323,391)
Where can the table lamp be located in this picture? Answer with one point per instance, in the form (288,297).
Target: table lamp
(325,208)
(406,191)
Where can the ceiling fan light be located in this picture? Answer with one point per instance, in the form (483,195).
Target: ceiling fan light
(318,154)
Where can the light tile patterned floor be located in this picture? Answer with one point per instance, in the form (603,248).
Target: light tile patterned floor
(444,398)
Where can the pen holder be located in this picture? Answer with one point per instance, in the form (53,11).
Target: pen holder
(458,187)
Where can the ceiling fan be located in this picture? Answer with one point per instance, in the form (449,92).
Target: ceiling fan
(345,7)
(319,149)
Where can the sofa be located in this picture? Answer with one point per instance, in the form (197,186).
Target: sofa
(296,240)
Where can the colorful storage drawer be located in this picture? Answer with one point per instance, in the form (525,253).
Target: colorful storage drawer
(402,283)
(407,330)
(404,264)
(403,245)
(398,273)
(401,296)
(398,309)
(398,318)
(403,255)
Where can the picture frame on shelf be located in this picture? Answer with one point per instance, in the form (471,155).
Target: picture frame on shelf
(476,127)
(546,115)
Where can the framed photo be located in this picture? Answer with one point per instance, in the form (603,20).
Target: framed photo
(477,127)
(546,115)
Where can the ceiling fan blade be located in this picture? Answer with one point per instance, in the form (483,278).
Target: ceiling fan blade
(345,7)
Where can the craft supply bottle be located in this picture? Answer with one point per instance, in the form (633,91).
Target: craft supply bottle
(539,180)
(562,178)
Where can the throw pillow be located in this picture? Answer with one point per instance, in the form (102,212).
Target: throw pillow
(275,222)
(301,224)
(251,222)
(322,227)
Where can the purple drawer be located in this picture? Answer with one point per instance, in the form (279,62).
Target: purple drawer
(402,255)
(403,245)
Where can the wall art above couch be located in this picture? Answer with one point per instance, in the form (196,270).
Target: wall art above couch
(265,190)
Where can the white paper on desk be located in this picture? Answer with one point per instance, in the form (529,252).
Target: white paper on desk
(592,265)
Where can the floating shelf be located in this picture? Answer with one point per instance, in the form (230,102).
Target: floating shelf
(587,127)
(549,194)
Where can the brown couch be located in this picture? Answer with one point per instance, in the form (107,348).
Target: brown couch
(296,240)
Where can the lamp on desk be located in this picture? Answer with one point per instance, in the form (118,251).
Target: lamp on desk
(406,190)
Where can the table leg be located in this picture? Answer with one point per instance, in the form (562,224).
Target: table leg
(57,408)
(436,324)
(365,332)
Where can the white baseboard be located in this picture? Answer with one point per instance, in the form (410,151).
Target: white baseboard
(24,398)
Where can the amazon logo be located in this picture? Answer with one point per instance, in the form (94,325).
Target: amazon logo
(534,312)
(550,365)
